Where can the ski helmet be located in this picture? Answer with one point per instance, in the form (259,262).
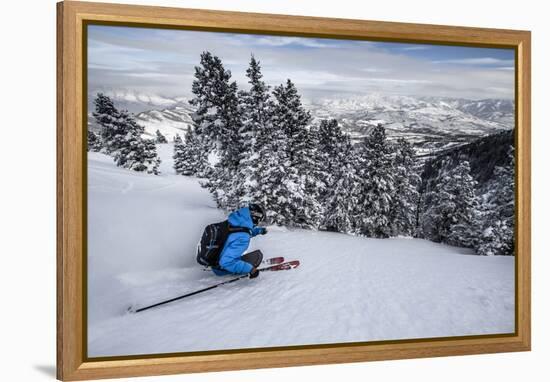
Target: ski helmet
(256,213)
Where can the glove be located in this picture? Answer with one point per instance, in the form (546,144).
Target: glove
(254,273)
(263,231)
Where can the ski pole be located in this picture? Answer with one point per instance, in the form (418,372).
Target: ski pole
(189,294)
(202,290)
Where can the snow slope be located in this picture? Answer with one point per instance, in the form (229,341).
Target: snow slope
(142,232)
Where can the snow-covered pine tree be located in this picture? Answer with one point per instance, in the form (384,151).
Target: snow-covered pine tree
(94,141)
(256,107)
(256,110)
(203,88)
(180,157)
(449,217)
(331,146)
(271,185)
(113,128)
(496,236)
(292,119)
(159,138)
(145,156)
(342,196)
(464,231)
(505,193)
(376,169)
(331,153)
(407,181)
(136,153)
(217,124)
(497,239)
(121,137)
(189,156)
(314,175)
(217,119)
(265,172)
(290,116)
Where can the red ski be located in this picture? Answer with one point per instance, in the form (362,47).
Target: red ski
(282,266)
(273,260)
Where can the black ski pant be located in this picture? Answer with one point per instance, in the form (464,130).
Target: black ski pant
(254,258)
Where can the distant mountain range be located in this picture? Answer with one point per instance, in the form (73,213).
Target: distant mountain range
(136,102)
(170,115)
(431,124)
(170,121)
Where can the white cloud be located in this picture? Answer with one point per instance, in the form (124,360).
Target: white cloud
(162,62)
(281,41)
(398,80)
(375,70)
(149,75)
(476,61)
(416,47)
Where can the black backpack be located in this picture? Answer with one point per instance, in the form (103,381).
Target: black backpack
(212,241)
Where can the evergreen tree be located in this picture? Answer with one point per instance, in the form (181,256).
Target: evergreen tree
(189,157)
(332,146)
(217,119)
(497,239)
(160,138)
(94,141)
(376,169)
(407,181)
(146,157)
(313,172)
(256,110)
(334,159)
(266,174)
(331,152)
(292,119)
(271,185)
(290,116)
(342,197)
(217,125)
(122,137)
(496,236)
(180,157)
(504,195)
(136,153)
(450,217)
(113,128)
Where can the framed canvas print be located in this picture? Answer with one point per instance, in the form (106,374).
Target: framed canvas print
(244,190)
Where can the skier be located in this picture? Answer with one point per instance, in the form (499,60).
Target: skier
(233,237)
(242,225)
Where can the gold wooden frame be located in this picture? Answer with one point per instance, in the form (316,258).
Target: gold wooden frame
(72,17)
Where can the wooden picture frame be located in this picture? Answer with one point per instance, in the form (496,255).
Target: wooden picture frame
(72,17)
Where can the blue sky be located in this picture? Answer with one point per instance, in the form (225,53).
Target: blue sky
(161,62)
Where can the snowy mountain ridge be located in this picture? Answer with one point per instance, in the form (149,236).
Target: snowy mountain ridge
(431,124)
(489,109)
(137,102)
(169,121)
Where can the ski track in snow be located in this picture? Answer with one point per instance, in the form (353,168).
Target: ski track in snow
(142,233)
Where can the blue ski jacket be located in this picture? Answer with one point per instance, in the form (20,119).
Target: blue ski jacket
(236,244)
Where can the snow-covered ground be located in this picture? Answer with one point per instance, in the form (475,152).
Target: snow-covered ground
(142,233)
